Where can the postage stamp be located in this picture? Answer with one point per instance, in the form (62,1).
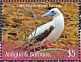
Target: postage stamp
(40,31)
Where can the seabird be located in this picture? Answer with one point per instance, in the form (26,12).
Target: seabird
(50,31)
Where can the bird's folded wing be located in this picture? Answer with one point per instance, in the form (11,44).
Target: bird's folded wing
(42,32)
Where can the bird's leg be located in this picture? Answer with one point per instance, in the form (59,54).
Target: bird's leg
(48,45)
(40,46)
(34,47)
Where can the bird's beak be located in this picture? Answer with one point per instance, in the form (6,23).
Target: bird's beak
(48,14)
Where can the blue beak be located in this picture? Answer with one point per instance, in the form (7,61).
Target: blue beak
(48,14)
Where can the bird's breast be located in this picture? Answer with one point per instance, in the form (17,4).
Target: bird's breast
(55,34)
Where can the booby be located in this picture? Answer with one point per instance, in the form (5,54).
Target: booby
(50,31)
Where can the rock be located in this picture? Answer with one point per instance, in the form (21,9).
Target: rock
(65,36)
(58,3)
(62,36)
(12,33)
(20,29)
(50,7)
(72,19)
(30,30)
(7,24)
(5,6)
(4,30)
(15,25)
(9,37)
(8,31)
(17,10)
(17,20)
(65,14)
(31,26)
(28,13)
(26,18)
(3,20)
(9,12)
(14,4)
(3,17)
(62,41)
(3,25)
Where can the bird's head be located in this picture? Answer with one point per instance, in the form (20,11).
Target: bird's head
(53,12)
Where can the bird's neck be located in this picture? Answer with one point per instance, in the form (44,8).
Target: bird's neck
(58,19)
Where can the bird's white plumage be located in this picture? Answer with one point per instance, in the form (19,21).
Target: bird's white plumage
(42,28)
(57,23)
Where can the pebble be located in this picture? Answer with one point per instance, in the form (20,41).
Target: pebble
(15,25)
(20,29)
(72,19)
(9,37)
(65,14)
(17,20)
(7,24)
(30,30)
(4,18)
(12,33)
(30,26)
(5,5)
(4,30)
(50,7)
(8,31)
(26,18)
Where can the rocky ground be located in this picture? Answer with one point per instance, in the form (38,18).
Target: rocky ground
(18,22)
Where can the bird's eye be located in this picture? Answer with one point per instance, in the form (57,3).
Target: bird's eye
(52,11)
